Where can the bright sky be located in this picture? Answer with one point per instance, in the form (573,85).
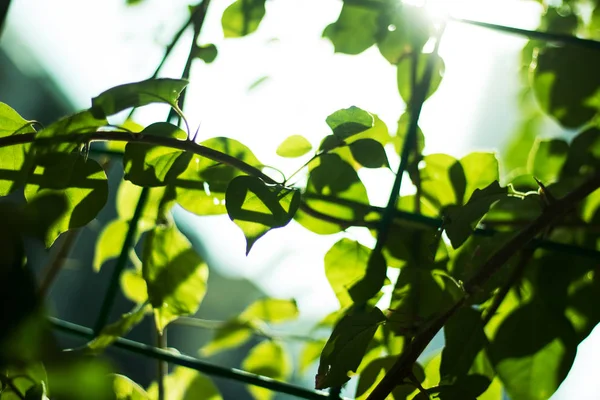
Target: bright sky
(98,44)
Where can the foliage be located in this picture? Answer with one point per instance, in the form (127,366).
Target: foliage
(472,249)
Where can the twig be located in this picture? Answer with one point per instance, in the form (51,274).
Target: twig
(163,366)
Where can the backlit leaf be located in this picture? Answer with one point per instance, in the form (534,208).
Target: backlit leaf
(294,146)
(137,94)
(404,74)
(311,353)
(134,286)
(186,384)
(120,328)
(443,180)
(369,153)
(242,17)
(349,122)
(267,359)
(402,30)
(126,389)
(345,265)
(232,334)
(355,29)
(12,158)
(271,310)
(547,158)
(109,242)
(376,370)
(175,274)
(481,170)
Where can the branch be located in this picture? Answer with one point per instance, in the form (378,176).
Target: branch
(553,212)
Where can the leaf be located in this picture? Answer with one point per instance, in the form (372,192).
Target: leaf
(584,151)
(109,242)
(294,146)
(465,338)
(126,389)
(257,208)
(443,180)
(333,178)
(402,131)
(373,280)
(459,221)
(346,346)
(110,333)
(547,158)
(134,286)
(271,310)
(345,265)
(207,53)
(137,94)
(81,123)
(481,170)
(355,29)
(242,17)
(12,158)
(404,74)
(186,384)
(149,165)
(311,353)
(176,276)
(376,370)
(572,102)
(232,334)
(349,122)
(86,190)
(402,30)
(369,153)
(267,359)
(201,187)
(128,195)
(533,350)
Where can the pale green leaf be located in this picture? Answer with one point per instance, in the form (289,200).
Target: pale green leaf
(271,310)
(294,146)
(267,359)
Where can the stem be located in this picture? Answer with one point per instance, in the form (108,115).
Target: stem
(4,5)
(552,213)
(163,366)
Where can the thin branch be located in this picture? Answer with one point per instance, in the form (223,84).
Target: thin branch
(552,213)
(162,366)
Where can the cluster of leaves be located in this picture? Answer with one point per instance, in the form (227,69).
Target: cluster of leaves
(517,332)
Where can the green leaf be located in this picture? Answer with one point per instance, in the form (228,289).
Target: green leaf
(110,333)
(376,370)
(127,199)
(257,208)
(242,17)
(584,153)
(547,158)
(345,265)
(12,158)
(533,350)
(271,310)
(82,123)
(176,276)
(149,165)
(443,180)
(207,53)
(85,187)
(355,29)
(373,280)
(109,242)
(294,146)
(186,384)
(349,122)
(402,30)
(232,334)
(310,353)
(267,359)
(566,90)
(333,178)
(137,94)
(467,387)
(126,389)
(402,131)
(465,338)
(481,170)
(346,346)
(404,74)
(369,153)
(459,221)
(201,187)
(134,286)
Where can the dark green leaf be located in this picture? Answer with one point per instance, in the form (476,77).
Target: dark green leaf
(404,74)
(267,359)
(355,29)
(547,158)
(85,188)
(118,329)
(294,146)
(584,153)
(346,346)
(257,208)
(12,158)
(376,370)
(149,165)
(126,389)
(186,384)
(467,387)
(232,334)
(349,122)
(83,378)
(137,94)
(271,310)
(459,221)
(242,17)
(373,280)
(572,102)
(109,242)
(206,53)
(369,153)
(464,340)
(176,276)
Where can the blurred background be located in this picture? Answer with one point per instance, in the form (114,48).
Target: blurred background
(284,79)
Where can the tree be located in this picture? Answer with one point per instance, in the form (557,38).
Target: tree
(505,264)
